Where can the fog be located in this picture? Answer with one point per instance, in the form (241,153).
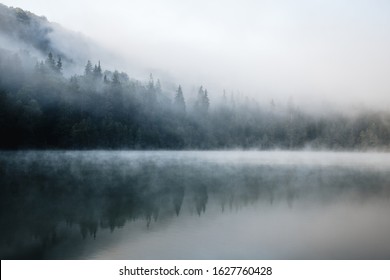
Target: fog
(142,129)
(51,97)
(314,52)
(194,205)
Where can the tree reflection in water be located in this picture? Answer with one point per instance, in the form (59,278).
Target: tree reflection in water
(47,196)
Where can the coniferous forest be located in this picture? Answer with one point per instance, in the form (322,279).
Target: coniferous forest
(43,108)
(191,130)
(40,108)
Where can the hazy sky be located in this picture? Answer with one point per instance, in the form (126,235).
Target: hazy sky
(305,49)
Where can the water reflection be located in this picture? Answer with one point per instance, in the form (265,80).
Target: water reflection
(53,198)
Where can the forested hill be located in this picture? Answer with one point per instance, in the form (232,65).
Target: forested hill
(41,108)
(25,28)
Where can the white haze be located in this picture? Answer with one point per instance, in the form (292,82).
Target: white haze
(313,52)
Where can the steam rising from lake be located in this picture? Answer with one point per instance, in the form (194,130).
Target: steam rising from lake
(194,205)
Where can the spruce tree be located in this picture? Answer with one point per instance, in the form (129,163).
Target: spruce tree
(50,63)
(97,72)
(59,65)
(206,102)
(115,78)
(88,69)
(202,103)
(179,103)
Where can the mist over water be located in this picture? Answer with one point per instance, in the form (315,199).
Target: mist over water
(194,205)
(199,75)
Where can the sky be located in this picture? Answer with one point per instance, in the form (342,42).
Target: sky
(319,52)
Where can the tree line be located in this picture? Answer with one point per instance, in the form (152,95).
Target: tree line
(40,108)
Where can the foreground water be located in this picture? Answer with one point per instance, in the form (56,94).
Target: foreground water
(194,205)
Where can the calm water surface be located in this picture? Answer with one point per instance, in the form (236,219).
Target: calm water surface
(194,205)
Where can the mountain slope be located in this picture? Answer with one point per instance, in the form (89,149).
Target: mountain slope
(22,30)
(46,104)
(23,27)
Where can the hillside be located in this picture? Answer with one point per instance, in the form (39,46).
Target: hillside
(23,31)
(98,108)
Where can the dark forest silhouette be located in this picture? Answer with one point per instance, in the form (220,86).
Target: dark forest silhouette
(83,194)
(40,108)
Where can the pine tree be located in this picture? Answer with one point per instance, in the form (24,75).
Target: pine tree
(115,78)
(50,63)
(179,102)
(200,93)
(74,84)
(59,65)
(202,103)
(88,69)
(150,96)
(97,72)
(105,80)
(206,101)
(151,82)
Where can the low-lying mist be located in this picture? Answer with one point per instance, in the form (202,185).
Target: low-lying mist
(49,197)
(52,95)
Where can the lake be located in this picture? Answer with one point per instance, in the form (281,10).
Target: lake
(194,205)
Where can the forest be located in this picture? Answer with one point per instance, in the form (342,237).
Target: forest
(40,108)
(46,103)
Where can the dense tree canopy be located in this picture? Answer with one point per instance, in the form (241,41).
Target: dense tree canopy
(40,108)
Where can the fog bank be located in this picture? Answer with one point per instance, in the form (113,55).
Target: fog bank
(313,52)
